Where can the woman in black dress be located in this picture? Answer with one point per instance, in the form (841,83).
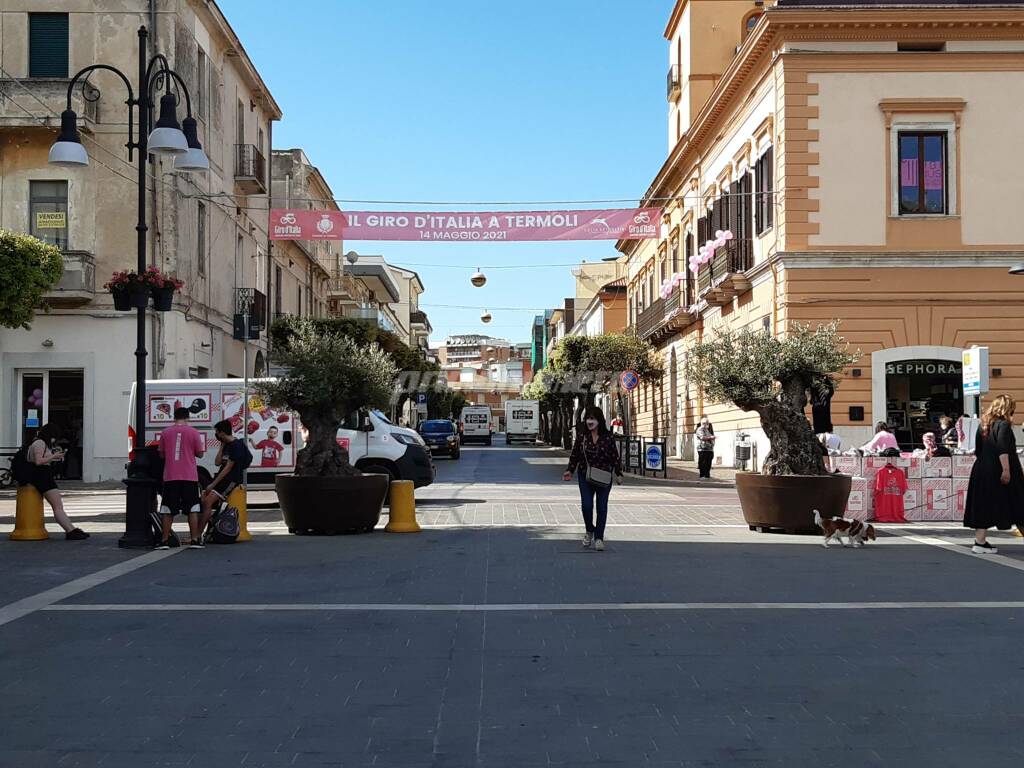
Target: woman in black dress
(995,494)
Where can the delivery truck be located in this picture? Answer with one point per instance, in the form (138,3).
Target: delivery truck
(476,424)
(522,421)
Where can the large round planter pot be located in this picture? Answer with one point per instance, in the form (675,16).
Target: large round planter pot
(787,502)
(331,504)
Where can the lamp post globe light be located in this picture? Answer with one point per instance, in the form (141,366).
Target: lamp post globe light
(166,138)
(478,279)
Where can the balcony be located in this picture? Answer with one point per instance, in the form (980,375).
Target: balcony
(664,318)
(674,85)
(724,277)
(77,285)
(34,102)
(250,170)
(373,315)
(418,317)
(650,319)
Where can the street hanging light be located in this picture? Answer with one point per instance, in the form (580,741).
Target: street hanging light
(194,159)
(67,151)
(167,137)
(485,317)
(352,257)
(478,279)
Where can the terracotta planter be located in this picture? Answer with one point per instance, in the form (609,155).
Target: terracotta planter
(787,502)
(331,504)
(122,301)
(162,299)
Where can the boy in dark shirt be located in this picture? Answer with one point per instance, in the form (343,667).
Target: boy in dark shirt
(232,458)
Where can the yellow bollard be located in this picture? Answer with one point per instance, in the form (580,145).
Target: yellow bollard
(237,499)
(402,518)
(28,515)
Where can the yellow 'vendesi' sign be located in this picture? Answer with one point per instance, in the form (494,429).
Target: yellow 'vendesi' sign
(51,220)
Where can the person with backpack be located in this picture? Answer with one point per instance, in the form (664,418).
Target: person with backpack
(233,458)
(32,465)
(179,447)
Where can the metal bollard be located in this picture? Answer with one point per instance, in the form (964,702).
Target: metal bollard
(28,516)
(402,518)
(238,499)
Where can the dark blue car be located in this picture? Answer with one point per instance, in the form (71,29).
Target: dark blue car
(441,437)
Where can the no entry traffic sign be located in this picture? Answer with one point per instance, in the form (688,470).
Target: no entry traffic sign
(629,380)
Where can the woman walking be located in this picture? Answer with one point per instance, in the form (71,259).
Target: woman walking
(594,459)
(40,458)
(995,492)
(705,435)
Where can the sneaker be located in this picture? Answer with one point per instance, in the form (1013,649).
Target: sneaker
(983,549)
(196,544)
(588,539)
(77,534)
(163,545)
(599,545)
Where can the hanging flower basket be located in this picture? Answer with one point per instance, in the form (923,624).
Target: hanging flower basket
(128,289)
(162,287)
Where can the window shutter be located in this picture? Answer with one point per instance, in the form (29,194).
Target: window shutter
(769,198)
(748,206)
(48,45)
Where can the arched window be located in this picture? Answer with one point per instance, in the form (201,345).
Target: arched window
(750,21)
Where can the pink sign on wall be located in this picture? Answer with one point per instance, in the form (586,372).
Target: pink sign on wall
(908,173)
(933,176)
(473,226)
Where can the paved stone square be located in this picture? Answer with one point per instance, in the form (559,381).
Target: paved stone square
(493,639)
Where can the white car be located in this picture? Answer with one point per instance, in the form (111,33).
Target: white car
(476,424)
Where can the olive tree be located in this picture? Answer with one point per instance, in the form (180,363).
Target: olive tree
(773,377)
(328,375)
(28,269)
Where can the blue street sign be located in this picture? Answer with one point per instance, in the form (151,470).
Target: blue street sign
(654,457)
(629,380)
(421,398)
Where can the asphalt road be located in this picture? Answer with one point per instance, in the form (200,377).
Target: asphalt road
(493,639)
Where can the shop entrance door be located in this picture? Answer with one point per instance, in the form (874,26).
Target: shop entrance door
(918,393)
(55,397)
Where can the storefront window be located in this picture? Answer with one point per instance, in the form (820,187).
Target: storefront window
(48,212)
(918,394)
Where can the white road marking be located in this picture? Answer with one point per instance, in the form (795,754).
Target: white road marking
(43,600)
(527,607)
(965,549)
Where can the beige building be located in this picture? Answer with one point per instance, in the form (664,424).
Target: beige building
(300,281)
(210,230)
(860,155)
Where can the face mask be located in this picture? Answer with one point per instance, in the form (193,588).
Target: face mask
(591,423)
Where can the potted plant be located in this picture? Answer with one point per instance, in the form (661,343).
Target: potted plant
(773,377)
(129,289)
(328,376)
(162,287)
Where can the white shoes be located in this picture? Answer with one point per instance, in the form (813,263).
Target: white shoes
(983,549)
(588,539)
(599,545)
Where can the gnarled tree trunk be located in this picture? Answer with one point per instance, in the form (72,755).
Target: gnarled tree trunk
(794,448)
(322,456)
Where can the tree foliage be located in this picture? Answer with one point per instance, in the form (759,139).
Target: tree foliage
(328,375)
(774,376)
(28,269)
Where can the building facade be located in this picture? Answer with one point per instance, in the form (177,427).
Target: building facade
(852,150)
(209,230)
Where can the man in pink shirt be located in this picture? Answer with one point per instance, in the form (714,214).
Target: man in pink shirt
(179,447)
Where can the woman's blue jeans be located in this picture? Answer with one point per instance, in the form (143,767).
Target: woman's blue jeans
(587,494)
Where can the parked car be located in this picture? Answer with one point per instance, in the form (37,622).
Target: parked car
(441,437)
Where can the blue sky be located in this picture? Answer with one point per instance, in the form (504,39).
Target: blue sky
(470,101)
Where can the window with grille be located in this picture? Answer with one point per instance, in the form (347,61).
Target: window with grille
(764,199)
(48,45)
(923,173)
(48,212)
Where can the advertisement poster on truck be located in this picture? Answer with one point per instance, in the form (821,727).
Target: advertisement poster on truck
(264,431)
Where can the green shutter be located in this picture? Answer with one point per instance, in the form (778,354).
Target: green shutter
(48,45)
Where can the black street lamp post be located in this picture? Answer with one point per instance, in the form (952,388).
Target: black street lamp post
(169,139)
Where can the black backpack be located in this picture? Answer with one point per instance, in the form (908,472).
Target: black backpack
(21,470)
(225,527)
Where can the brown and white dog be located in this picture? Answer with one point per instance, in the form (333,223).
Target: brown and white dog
(855,531)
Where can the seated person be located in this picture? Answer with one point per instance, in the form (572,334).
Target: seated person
(883,441)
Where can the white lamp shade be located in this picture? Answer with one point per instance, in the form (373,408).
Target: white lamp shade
(167,141)
(68,154)
(192,160)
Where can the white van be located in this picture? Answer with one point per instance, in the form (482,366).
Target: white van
(273,437)
(476,424)
(522,421)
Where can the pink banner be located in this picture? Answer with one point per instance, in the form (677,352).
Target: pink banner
(933,175)
(473,226)
(908,173)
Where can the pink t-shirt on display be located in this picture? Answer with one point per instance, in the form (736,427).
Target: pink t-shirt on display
(179,447)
